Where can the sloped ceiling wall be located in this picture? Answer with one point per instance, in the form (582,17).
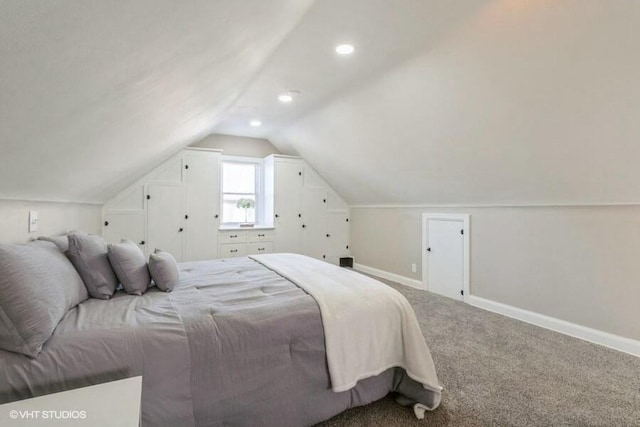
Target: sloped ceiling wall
(444,102)
(93,93)
(527,102)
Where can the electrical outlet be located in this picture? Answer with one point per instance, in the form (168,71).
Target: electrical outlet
(414,268)
(33,221)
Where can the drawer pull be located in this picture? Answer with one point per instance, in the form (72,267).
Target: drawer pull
(261,249)
(233,251)
(233,236)
(260,235)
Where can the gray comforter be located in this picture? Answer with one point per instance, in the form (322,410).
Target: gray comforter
(233,344)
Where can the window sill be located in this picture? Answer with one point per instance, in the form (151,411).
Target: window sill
(237,227)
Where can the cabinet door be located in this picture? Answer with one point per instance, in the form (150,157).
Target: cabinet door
(125,225)
(338,230)
(202,205)
(165,218)
(314,223)
(287,194)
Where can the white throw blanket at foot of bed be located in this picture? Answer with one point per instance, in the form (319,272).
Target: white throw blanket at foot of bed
(369,327)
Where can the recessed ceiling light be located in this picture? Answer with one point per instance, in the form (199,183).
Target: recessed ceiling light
(345,49)
(255,123)
(285,97)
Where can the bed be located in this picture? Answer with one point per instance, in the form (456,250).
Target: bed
(235,343)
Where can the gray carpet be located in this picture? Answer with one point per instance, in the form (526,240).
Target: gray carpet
(502,372)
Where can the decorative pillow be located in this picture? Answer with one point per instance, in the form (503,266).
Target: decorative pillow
(164,270)
(89,256)
(38,286)
(62,242)
(130,266)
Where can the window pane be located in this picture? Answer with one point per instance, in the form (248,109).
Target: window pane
(238,178)
(232,213)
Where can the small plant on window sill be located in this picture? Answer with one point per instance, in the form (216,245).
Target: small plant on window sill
(246,204)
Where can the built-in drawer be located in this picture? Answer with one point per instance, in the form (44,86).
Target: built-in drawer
(232,236)
(231,250)
(261,235)
(259,248)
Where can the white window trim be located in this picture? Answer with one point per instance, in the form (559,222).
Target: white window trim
(259,185)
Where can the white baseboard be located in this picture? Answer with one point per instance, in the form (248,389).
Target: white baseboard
(616,342)
(413,283)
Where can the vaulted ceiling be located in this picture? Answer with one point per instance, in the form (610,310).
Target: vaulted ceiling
(443,102)
(93,93)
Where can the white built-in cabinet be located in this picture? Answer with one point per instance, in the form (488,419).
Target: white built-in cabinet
(237,243)
(309,217)
(283,187)
(175,207)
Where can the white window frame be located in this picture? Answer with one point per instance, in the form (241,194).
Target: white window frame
(259,185)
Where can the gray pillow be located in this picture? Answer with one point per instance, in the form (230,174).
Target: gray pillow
(130,266)
(89,256)
(38,286)
(164,270)
(62,242)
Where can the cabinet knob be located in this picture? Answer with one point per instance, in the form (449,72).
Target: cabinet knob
(324,256)
(186,217)
(181,230)
(216,216)
(328,235)
(304,226)
(277,216)
(299,215)
(142,242)
(300,173)
(106,223)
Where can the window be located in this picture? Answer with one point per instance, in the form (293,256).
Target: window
(240,191)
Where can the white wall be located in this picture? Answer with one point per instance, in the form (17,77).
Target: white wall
(238,145)
(578,264)
(526,103)
(55,219)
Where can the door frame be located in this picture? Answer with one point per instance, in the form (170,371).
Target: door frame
(465,219)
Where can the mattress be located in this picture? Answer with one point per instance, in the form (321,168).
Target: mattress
(234,344)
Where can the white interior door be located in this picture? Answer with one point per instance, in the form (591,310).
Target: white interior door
(202,205)
(165,218)
(445,246)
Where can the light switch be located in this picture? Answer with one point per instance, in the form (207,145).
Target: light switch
(33,221)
